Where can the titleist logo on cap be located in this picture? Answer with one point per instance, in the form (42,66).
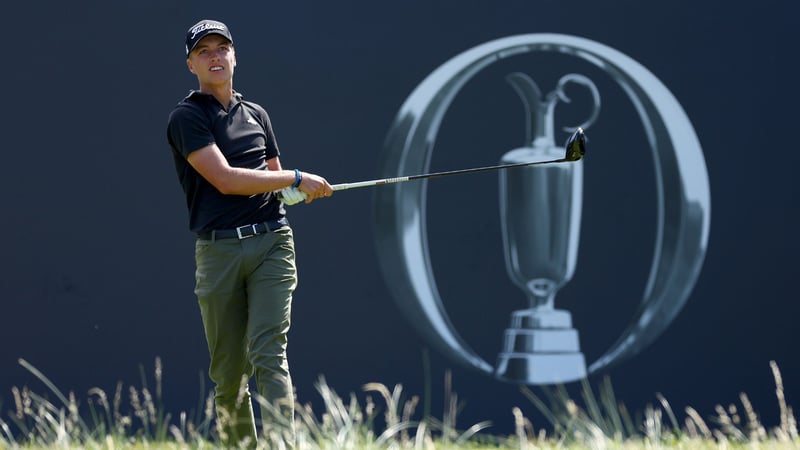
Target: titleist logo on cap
(206,26)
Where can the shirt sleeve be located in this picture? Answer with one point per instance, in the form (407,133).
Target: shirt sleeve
(272,149)
(188,130)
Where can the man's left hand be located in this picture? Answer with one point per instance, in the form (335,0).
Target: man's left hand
(291,196)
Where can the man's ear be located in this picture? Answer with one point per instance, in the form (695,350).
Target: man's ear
(190,65)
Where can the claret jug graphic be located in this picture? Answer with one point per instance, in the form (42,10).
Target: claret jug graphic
(540,213)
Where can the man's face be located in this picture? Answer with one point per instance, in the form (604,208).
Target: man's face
(212,60)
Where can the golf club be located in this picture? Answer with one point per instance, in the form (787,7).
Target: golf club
(574,150)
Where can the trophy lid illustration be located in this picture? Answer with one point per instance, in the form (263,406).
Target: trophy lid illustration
(540,116)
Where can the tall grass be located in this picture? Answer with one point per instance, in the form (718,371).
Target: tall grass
(134,418)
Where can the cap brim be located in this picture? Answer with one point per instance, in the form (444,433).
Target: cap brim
(205,34)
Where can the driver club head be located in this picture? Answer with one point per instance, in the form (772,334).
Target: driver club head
(576,146)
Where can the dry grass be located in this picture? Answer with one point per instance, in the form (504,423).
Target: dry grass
(133,418)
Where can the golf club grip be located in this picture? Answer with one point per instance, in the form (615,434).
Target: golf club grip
(359,184)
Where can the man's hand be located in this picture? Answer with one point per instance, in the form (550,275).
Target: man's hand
(311,188)
(291,196)
(314,186)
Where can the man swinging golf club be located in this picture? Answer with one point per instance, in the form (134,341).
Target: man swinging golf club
(227,161)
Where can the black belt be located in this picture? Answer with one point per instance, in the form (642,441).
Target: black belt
(245,231)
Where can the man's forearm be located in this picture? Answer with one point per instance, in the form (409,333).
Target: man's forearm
(240,181)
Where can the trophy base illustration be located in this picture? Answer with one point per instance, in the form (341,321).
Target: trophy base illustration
(541,347)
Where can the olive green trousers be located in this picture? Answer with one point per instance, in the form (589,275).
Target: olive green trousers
(244,288)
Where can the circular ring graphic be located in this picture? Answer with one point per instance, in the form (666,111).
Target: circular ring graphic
(683,196)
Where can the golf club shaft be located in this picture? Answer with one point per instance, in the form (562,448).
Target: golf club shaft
(360,184)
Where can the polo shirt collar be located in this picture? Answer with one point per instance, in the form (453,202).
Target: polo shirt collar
(195,94)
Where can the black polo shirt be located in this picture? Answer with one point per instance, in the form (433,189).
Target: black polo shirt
(245,137)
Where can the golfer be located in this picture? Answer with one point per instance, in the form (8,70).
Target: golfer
(228,164)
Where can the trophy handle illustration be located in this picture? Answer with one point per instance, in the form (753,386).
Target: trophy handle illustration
(540,210)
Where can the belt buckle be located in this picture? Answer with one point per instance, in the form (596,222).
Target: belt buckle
(244,227)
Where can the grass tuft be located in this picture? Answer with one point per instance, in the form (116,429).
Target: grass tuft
(134,418)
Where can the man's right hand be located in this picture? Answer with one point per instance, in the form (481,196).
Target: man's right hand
(314,186)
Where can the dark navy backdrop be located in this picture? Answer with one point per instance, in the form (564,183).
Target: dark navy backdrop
(97,267)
